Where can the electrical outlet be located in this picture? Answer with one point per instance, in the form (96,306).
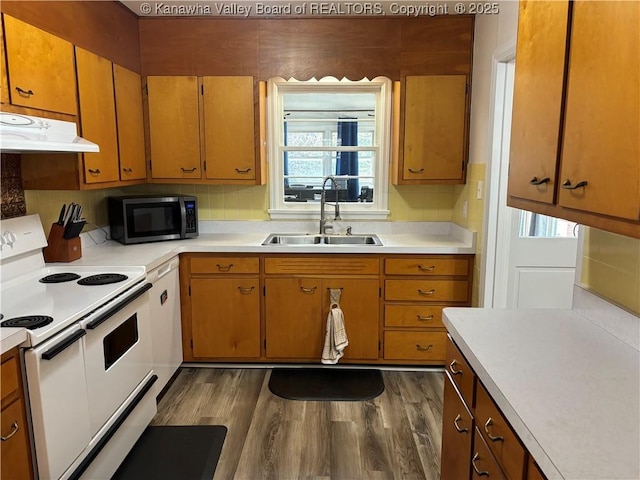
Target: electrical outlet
(464,209)
(479,190)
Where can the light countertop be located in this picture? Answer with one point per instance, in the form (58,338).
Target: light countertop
(569,388)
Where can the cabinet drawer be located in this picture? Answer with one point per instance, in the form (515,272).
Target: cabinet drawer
(226,265)
(324,265)
(427,290)
(460,372)
(415,345)
(426,266)
(483,463)
(501,440)
(425,316)
(9,376)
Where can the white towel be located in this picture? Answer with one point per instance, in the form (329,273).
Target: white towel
(335,339)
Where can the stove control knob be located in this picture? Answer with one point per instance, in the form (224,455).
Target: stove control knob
(9,238)
(3,241)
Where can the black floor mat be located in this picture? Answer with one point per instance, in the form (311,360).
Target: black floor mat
(326,384)
(174,452)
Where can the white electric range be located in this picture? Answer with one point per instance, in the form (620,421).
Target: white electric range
(87,359)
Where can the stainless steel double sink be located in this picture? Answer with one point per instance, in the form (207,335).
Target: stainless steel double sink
(309,239)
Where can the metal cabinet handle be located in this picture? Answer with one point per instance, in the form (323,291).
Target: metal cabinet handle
(411,170)
(94,172)
(127,170)
(480,473)
(455,424)
(308,290)
(14,430)
(539,181)
(426,269)
(246,290)
(420,348)
(224,268)
(188,170)
(424,319)
(493,438)
(567,185)
(427,293)
(452,368)
(246,170)
(24,93)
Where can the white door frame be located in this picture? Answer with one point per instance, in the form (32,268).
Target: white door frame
(497,226)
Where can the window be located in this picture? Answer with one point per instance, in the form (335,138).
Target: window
(328,127)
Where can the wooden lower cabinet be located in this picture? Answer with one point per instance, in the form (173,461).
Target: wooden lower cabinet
(483,463)
(457,434)
(14,448)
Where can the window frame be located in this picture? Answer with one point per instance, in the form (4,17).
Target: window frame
(276,88)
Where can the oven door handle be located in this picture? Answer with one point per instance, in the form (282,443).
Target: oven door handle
(93,324)
(59,347)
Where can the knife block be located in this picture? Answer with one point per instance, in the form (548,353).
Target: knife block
(60,249)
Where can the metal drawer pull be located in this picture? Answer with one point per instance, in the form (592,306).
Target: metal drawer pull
(480,473)
(127,170)
(424,319)
(246,170)
(14,430)
(453,370)
(426,269)
(188,170)
(94,172)
(224,268)
(455,424)
(567,185)
(539,181)
(420,348)
(245,290)
(427,293)
(308,290)
(493,438)
(411,170)
(24,93)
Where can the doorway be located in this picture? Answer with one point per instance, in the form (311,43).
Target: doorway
(530,258)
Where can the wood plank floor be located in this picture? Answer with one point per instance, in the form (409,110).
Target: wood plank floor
(396,435)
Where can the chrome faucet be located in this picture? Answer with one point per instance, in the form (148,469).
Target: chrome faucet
(323,221)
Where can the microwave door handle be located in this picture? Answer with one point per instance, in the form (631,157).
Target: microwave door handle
(183,219)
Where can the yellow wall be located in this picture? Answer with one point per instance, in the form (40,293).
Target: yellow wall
(611,267)
(224,202)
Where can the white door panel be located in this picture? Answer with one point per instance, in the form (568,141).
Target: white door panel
(542,287)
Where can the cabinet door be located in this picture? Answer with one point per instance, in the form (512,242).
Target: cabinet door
(602,123)
(174,127)
(97,116)
(40,66)
(16,462)
(128,88)
(457,435)
(229,128)
(360,305)
(537,99)
(435,129)
(225,317)
(483,463)
(294,326)
(4,81)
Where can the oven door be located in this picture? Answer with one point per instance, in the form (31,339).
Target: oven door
(117,353)
(148,221)
(57,389)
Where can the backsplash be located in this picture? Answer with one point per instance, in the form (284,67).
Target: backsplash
(611,267)
(13,200)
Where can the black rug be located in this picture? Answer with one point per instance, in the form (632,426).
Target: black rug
(174,452)
(326,384)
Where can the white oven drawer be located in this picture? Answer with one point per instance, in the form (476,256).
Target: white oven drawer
(117,354)
(58,401)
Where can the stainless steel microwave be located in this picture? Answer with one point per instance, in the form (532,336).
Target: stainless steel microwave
(152,218)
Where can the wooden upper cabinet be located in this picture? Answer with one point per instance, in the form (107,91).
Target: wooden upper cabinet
(97,116)
(128,90)
(174,127)
(537,99)
(40,68)
(434,147)
(602,124)
(229,128)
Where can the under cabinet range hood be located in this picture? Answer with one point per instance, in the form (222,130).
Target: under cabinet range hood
(24,133)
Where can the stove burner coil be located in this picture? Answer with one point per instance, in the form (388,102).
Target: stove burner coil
(29,322)
(102,279)
(60,277)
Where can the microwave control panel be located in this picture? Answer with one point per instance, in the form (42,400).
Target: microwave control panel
(192,218)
